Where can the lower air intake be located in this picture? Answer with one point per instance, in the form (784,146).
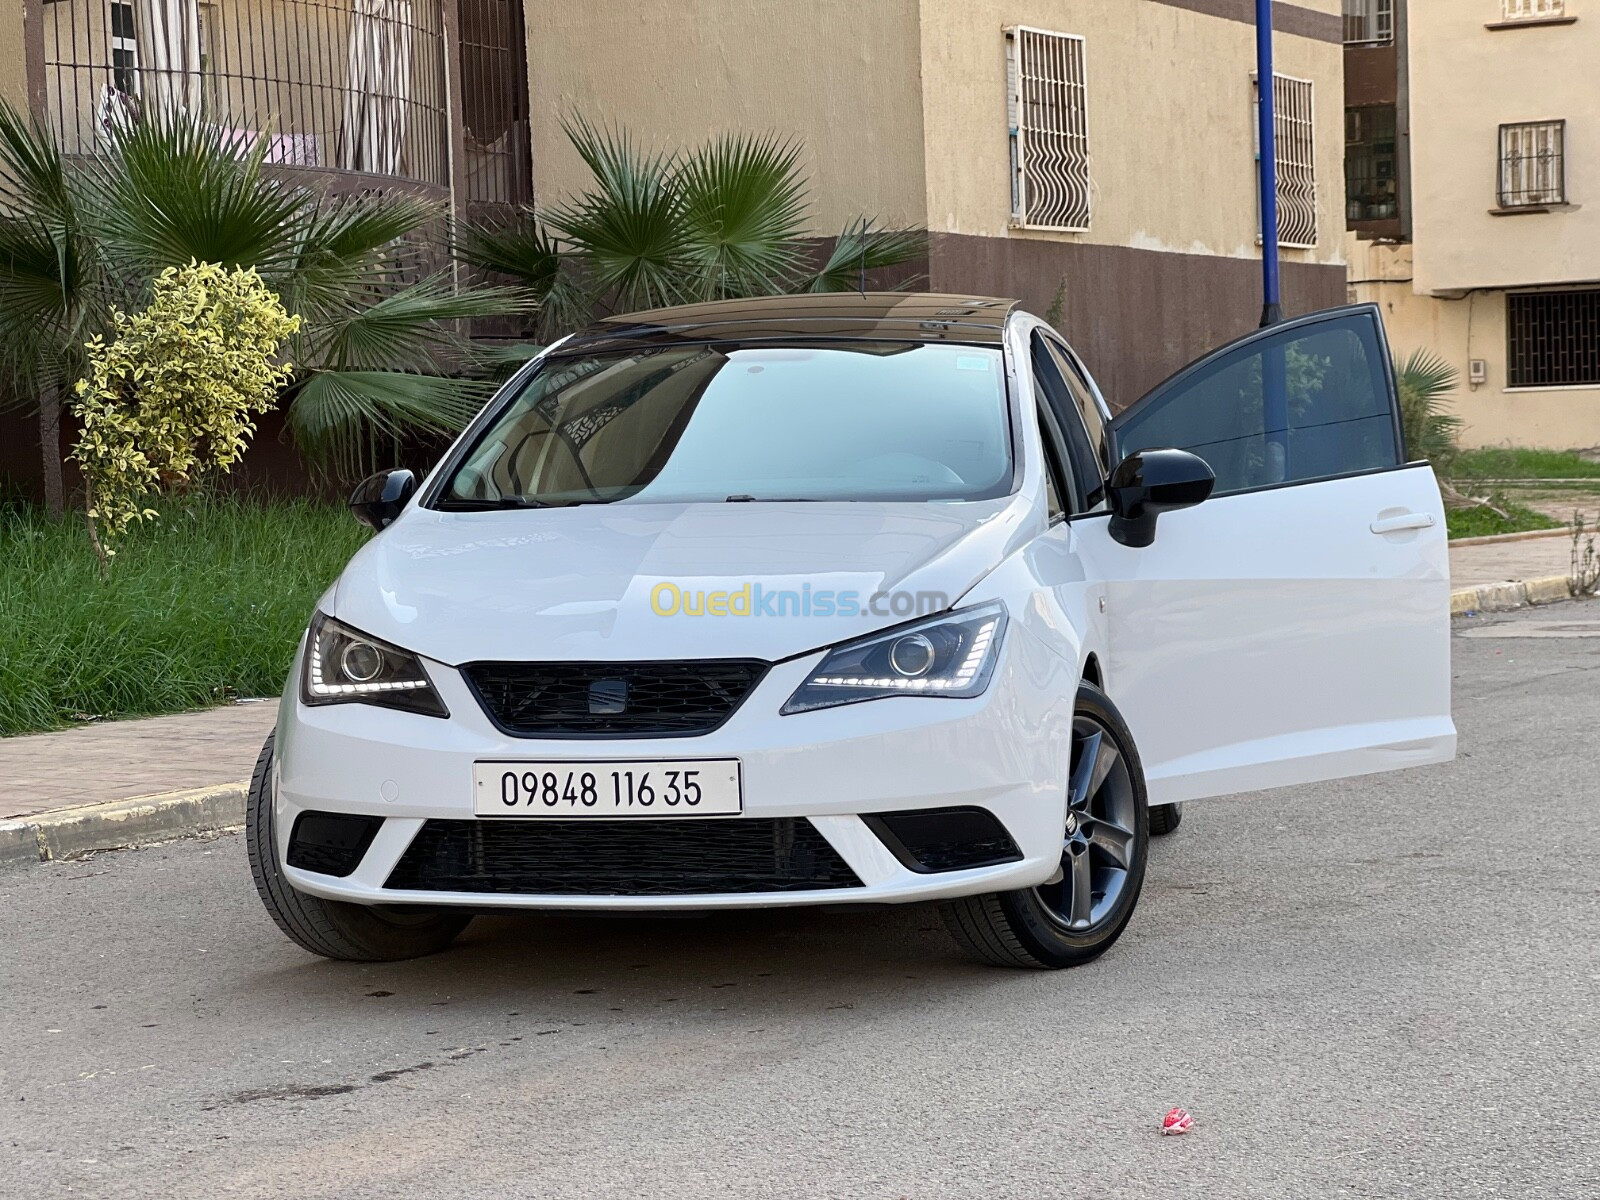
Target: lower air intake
(682,857)
(930,840)
(330,843)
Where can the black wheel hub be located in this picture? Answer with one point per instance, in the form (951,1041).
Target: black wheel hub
(1098,842)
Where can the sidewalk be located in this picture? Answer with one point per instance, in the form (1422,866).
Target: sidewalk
(1473,565)
(121,783)
(126,782)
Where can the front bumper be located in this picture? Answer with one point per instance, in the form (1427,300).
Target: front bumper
(1005,752)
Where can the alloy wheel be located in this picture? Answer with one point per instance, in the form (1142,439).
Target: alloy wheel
(1097,846)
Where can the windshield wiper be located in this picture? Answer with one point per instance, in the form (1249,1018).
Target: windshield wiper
(744,499)
(510,502)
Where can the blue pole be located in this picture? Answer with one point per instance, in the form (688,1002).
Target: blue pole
(1271,308)
(1275,365)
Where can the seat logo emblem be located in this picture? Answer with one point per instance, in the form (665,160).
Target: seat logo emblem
(608,697)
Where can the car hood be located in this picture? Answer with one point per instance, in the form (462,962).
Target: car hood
(577,583)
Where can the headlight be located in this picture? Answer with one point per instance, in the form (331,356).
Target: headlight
(951,656)
(344,666)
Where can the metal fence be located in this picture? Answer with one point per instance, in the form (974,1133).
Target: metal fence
(347,89)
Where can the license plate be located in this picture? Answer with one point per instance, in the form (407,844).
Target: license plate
(608,788)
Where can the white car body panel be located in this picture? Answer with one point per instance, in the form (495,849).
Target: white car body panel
(1272,638)
(575,583)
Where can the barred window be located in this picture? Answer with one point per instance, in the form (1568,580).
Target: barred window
(124,50)
(1553,338)
(1048,108)
(1367,21)
(1371,164)
(1532,10)
(1532,164)
(1294,129)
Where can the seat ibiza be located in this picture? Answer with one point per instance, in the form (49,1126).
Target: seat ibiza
(853,599)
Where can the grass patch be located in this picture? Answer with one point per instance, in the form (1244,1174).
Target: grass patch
(205,604)
(1482,522)
(1507,463)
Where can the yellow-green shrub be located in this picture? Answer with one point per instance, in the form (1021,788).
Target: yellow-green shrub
(175,390)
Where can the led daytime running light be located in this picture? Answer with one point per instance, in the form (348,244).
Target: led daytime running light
(320,687)
(964,674)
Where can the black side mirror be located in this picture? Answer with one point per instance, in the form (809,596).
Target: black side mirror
(379,498)
(1150,482)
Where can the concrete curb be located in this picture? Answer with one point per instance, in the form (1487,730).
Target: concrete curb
(140,821)
(1503,597)
(1495,539)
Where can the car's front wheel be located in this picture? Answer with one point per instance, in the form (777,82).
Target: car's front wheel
(1076,914)
(333,928)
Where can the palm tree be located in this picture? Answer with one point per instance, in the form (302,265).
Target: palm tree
(722,221)
(378,353)
(52,296)
(1423,381)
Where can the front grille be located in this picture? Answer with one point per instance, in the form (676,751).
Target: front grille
(612,699)
(637,857)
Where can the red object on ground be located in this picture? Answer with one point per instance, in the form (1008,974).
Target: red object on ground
(1177,1121)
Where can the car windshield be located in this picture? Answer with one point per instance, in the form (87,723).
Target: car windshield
(857,420)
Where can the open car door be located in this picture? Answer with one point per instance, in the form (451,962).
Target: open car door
(1295,626)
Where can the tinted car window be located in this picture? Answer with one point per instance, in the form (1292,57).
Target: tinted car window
(1054,391)
(1093,425)
(1312,402)
(852,420)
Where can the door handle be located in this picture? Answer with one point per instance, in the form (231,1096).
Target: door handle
(1403,522)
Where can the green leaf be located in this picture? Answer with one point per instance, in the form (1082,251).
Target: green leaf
(1424,381)
(863,247)
(406,330)
(177,190)
(336,414)
(629,227)
(744,207)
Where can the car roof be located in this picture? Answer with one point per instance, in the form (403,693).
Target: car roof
(891,316)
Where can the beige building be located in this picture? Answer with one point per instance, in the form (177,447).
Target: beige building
(1475,206)
(1099,149)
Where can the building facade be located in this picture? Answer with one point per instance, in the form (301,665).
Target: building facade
(428,96)
(1095,158)
(1473,202)
(1102,151)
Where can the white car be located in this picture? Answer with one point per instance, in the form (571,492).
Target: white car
(853,599)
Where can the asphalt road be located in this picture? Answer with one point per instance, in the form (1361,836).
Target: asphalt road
(1377,987)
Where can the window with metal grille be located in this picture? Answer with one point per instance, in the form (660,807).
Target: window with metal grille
(124,50)
(1371,165)
(1532,164)
(1368,21)
(1532,10)
(1048,108)
(1294,130)
(1553,338)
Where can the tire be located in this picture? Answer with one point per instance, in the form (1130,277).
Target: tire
(1165,819)
(334,928)
(1060,923)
